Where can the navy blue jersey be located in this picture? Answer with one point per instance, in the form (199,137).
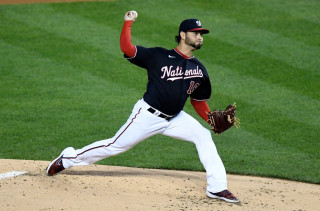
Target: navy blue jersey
(171,78)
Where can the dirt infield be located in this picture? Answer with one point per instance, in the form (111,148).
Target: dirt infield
(99,187)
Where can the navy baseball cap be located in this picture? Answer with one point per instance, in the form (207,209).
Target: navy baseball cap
(192,25)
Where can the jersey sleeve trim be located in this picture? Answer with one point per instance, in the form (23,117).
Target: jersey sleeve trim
(198,99)
(135,54)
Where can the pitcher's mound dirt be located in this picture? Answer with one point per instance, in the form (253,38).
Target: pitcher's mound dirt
(99,187)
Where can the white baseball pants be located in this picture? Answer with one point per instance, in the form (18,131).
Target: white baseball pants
(141,125)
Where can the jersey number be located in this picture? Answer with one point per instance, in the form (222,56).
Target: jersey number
(192,87)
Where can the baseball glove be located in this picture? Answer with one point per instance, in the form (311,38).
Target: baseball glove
(221,121)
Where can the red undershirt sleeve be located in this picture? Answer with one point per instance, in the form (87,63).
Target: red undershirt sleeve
(201,108)
(125,40)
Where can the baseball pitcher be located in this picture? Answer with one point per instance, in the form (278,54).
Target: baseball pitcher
(173,76)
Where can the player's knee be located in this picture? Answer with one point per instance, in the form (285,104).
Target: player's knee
(203,135)
(207,134)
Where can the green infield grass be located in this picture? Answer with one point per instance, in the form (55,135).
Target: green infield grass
(64,81)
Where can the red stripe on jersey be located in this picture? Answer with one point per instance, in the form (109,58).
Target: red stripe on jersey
(184,56)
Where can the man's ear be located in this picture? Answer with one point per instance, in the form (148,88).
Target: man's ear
(183,35)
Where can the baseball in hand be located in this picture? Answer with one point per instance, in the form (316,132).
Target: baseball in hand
(131,15)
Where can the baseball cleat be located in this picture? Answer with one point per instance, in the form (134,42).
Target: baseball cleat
(223,195)
(56,165)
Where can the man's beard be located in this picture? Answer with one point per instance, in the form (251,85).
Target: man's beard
(193,44)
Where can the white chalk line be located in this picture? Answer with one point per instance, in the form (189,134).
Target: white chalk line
(11,174)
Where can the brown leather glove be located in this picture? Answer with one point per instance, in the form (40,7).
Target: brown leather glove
(221,121)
